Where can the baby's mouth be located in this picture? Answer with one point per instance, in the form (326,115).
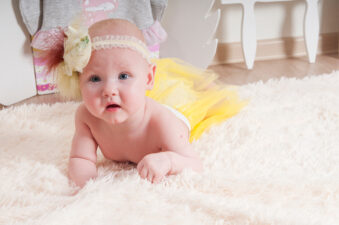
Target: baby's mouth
(113,106)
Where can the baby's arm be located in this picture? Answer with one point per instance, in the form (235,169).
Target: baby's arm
(186,159)
(176,152)
(82,162)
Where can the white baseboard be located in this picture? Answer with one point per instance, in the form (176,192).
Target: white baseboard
(275,49)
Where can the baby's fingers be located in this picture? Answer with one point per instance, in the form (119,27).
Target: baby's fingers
(157,179)
(140,166)
(143,172)
(150,177)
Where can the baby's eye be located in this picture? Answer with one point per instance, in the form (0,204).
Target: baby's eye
(94,78)
(123,76)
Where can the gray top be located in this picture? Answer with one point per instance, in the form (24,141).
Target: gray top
(47,14)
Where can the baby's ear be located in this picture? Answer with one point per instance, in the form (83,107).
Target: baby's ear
(150,76)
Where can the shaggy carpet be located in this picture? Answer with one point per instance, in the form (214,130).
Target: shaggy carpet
(276,162)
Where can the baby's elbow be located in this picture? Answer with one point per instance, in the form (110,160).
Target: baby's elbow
(81,170)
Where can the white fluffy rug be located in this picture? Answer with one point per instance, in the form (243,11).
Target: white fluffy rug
(277,162)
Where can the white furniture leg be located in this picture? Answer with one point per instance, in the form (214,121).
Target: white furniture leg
(248,35)
(248,30)
(311,29)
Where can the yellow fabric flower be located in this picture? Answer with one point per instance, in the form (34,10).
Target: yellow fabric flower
(77,47)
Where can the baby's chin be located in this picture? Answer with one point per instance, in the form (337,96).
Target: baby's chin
(109,118)
(114,120)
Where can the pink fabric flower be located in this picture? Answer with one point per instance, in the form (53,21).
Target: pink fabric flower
(51,45)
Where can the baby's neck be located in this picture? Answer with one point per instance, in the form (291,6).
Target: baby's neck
(135,123)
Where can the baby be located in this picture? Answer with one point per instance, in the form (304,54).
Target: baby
(116,115)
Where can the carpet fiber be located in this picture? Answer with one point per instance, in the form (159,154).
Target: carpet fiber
(277,162)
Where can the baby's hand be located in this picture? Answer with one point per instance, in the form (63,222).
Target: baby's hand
(154,167)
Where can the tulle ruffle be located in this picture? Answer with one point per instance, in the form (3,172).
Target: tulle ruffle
(195,93)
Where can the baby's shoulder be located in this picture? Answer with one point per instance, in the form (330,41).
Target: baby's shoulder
(165,122)
(82,115)
(159,114)
(167,129)
(81,112)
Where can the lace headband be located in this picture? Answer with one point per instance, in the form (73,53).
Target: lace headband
(70,49)
(118,41)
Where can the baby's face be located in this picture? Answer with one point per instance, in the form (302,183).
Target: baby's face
(114,82)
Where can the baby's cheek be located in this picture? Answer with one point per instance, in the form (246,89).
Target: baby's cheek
(86,98)
(136,99)
(90,91)
(93,108)
(91,103)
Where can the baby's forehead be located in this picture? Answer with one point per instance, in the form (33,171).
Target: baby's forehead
(109,36)
(122,58)
(115,27)
(116,54)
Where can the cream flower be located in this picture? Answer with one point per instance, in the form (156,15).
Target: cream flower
(77,48)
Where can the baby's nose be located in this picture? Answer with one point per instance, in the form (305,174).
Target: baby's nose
(110,89)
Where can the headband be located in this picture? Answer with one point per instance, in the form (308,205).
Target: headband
(119,41)
(75,46)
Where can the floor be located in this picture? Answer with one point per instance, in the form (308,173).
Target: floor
(237,73)
(264,70)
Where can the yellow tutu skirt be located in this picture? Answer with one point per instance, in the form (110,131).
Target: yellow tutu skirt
(194,93)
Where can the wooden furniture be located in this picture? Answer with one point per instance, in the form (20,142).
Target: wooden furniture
(248,36)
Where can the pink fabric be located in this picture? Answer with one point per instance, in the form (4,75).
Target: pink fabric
(51,45)
(38,60)
(49,39)
(154,48)
(96,10)
(155,34)
(45,87)
(48,49)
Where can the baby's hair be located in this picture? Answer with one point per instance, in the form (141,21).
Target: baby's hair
(69,86)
